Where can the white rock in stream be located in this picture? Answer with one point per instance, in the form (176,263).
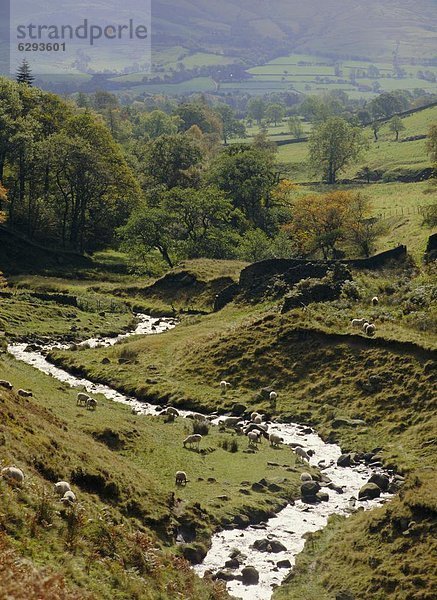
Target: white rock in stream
(288,526)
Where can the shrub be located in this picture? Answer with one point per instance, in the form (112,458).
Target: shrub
(201,427)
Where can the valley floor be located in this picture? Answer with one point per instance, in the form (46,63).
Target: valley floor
(120,542)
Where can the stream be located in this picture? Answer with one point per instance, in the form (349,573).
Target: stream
(289,526)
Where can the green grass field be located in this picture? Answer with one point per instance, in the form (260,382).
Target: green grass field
(122,466)
(387,156)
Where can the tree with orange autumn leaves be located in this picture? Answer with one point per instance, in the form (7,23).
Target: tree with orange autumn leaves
(322,223)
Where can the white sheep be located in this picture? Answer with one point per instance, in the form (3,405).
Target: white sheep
(365,325)
(358,323)
(370,329)
(224,386)
(69,497)
(275,440)
(375,301)
(62,487)
(254,415)
(91,404)
(273,396)
(13,474)
(302,454)
(25,393)
(305,477)
(253,437)
(6,384)
(194,438)
(135,411)
(82,399)
(181,478)
(258,420)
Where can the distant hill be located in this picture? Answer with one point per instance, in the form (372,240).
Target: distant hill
(344,28)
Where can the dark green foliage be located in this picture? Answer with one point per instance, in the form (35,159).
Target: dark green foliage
(24,73)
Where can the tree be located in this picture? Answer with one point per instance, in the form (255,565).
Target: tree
(376,126)
(256,108)
(396,126)
(231,126)
(248,178)
(202,217)
(173,160)
(149,229)
(255,245)
(387,104)
(431,144)
(93,188)
(334,145)
(274,112)
(320,223)
(154,124)
(295,127)
(319,108)
(185,223)
(362,230)
(200,114)
(24,73)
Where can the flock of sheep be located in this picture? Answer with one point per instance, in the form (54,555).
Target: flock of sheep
(85,400)
(368,328)
(255,429)
(15,476)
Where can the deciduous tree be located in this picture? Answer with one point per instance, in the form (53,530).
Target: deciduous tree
(333,145)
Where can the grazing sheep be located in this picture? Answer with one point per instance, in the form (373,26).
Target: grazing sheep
(199,417)
(302,454)
(134,411)
(82,399)
(254,415)
(69,497)
(370,329)
(305,477)
(25,393)
(231,422)
(273,396)
(224,385)
(6,384)
(375,301)
(254,437)
(62,487)
(194,438)
(170,410)
(365,325)
(13,474)
(358,323)
(181,478)
(258,420)
(275,440)
(91,404)
(260,429)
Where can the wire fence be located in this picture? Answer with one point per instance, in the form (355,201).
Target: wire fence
(401,211)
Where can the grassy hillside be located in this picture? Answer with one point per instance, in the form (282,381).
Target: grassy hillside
(119,540)
(112,543)
(321,373)
(390,158)
(363,29)
(386,554)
